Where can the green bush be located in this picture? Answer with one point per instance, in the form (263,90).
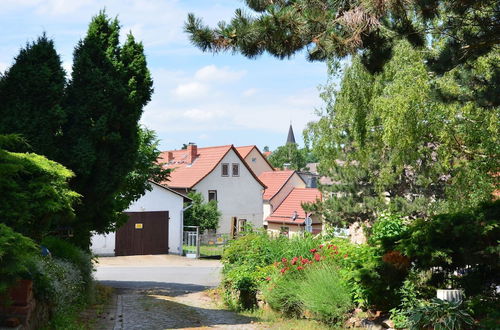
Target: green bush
(247,261)
(440,315)
(387,230)
(15,252)
(325,294)
(57,282)
(282,294)
(64,250)
(466,243)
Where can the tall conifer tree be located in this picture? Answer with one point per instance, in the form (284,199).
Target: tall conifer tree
(109,87)
(31,94)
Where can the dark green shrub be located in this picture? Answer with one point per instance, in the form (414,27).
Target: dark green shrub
(440,315)
(15,252)
(282,294)
(64,250)
(466,243)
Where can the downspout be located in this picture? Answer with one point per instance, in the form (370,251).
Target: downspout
(182,228)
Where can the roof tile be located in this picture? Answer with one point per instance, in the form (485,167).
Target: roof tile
(293,203)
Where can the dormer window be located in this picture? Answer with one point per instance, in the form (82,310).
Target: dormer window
(236,169)
(225,169)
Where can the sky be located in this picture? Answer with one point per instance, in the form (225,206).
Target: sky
(198,97)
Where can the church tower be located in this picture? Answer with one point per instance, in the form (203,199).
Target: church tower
(291,138)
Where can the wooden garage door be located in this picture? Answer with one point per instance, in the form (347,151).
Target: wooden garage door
(144,233)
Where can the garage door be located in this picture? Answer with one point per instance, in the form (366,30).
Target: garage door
(144,233)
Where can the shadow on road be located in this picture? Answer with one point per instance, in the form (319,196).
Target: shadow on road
(159,288)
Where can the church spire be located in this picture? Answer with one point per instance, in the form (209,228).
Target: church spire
(291,138)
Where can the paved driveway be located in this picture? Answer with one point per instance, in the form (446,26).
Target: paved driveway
(164,292)
(158,271)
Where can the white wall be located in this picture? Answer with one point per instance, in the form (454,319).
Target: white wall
(239,196)
(159,199)
(260,165)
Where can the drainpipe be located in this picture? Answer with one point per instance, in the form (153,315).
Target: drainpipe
(182,227)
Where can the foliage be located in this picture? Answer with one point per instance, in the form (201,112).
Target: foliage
(110,85)
(66,251)
(289,154)
(486,310)
(205,215)
(325,294)
(390,142)
(36,197)
(440,314)
(334,29)
(387,230)
(465,242)
(146,169)
(247,261)
(31,93)
(15,250)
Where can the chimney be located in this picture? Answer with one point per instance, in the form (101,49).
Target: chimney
(192,151)
(170,156)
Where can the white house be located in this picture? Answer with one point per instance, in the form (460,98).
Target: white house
(154,226)
(222,174)
(255,159)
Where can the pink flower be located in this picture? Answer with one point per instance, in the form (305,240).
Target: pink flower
(313,250)
(284,260)
(304,261)
(317,257)
(300,268)
(294,260)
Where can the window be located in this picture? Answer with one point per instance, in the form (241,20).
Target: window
(212,195)
(241,225)
(254,160)
(225,169)
(236,169)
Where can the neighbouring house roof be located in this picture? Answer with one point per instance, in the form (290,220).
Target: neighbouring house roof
(170,190)
(274,180)
(245,150)
(267,154)
(187,175)
(293,203)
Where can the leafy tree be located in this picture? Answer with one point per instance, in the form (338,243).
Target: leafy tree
(36,197)
(31,93)
(109,87)
(288,154)
(388,142)
(205,215)
(334,29)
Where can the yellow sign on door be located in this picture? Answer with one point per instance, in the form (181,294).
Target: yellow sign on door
(138,226)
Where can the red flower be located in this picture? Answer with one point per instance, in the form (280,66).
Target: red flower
(284,260)
(294,260)
(313,250)
(304,261)
(317,257)
(345,255)
(268,278)
(300,268)
(321,246)
(283,270)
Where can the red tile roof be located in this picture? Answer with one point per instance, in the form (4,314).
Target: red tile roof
(245,150)
(274,180)
(293,203)
(187,175)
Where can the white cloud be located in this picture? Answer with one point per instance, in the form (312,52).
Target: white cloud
(215,74)
(250,92)
(191,90)
(202,115)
